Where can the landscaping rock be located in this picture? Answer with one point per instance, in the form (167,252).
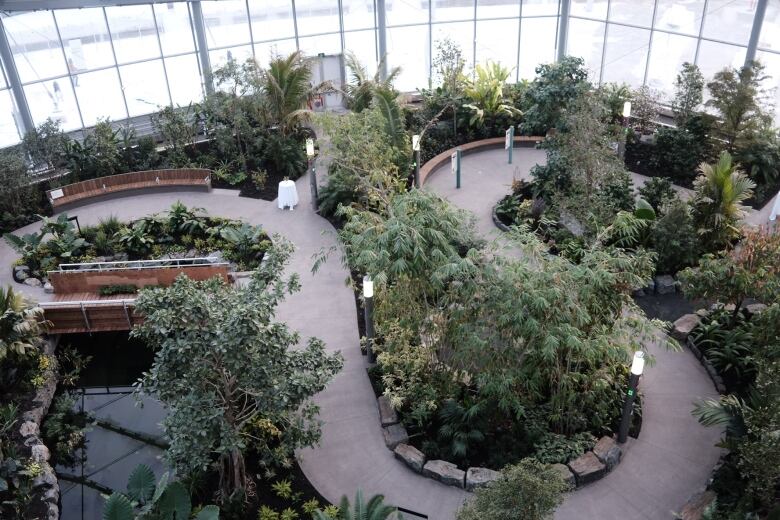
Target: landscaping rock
(121,257)
(29,429)
(755,308)
(410,456)
(608,452)
(48,288)
(665,284)
(480,477)
(39,453)
(445,472)
(694,508)
(387,413)
(684,325)
(21,273)
(566,474)
(638,293)
(587,468)
(395,435)
(650,288)
(33,282)
(702,313)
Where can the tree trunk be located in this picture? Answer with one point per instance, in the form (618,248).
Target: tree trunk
(232,473)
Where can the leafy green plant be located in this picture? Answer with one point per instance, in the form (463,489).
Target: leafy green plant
(246,240)
(135,239)
(554,88)
(688,93)
(64,430)
(283,489)
(286,87)
(560,449)
(657,192)
(285,155)
(461,427)
(110,290)
(145,499)
(486,94)
(21,324)
(228,173)
(361,88)
(359,509)
(674,238)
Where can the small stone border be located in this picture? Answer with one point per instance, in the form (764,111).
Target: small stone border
(45,494)
(588,467)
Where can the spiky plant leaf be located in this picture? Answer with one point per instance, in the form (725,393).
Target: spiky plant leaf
(118,507)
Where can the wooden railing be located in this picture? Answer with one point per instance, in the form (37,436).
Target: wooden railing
(128,181)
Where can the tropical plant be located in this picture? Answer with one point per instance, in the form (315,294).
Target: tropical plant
(614,96)
(177,128)
(688,90)
(20,199)
(674,238)
(658,191)
(286,86)
(45,144)
(644,109)
(361,89)
(560,449)
(387,103)
(720,190)
(27,246)
(462,427)
(236,364)
(146,499)
(555,86)
(285,155)
(135,239)
(246,239)
(486,95)
(64,429)
(21,324)
(528,490)
(359,509)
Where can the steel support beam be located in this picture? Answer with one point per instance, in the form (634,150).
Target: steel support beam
(563,28)
(203,50)
(15,84)
(381,28)
(755,33)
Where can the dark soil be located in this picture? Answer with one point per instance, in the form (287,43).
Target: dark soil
(667,307)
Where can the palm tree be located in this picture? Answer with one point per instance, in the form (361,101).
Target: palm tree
(720,190)
(287,87)
(361,90)
(20,323)
(375,509)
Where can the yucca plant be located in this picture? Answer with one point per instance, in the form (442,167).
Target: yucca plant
(147,500)
(21,323)
(720,190)
(359,93)
(374,509)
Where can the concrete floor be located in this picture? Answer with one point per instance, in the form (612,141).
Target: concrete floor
(672,459)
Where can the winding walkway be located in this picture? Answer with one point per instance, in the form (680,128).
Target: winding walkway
(672,459)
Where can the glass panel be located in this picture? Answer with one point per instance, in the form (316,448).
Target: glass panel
(446,10)
(586,40)
(404,12)
(145,88)
(85,38)
(407,47)
(35,45)
(540,7)
(325,44)
(221,56)
(667,54)
(770,30)
(226,23)
(358,14)
(461,33)
(264,51)
(363,45)
(101,85)
(626,55)
(133,32)
(173,23)
(537,44)
(715,56)
(184,79)
(729,20)
(772,63)
(9,132)
(497,41)
(682,16)
(498,8)
(317,16)
(637,12)
(590,8)
(53,99)
(271,20)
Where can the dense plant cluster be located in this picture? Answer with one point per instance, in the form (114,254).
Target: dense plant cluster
(179,231)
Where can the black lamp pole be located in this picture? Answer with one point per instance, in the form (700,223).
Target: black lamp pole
(637,366)
(368,314)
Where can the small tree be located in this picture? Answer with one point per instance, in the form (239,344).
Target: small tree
(688,90)
(448,66)
(177,128)
(556,85)
(751,270)
(528,490)
(221,363)
(739,97)
(46,144)
(644,109)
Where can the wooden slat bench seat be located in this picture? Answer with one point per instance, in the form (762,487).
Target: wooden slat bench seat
(79,191)
(474,146)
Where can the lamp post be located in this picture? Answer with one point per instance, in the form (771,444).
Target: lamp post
(368,313)
(313,175)
(416,150)
(626,119)
(637,366)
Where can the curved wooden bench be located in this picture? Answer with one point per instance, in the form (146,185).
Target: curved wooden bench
(474,146)
(128,181)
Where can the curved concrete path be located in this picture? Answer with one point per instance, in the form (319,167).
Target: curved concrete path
(672,459)
(674,455)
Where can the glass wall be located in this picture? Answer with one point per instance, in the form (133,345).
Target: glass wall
(123,61)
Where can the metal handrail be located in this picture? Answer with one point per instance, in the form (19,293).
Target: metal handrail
(127,265)
(83,303)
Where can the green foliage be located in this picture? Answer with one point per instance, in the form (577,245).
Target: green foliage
(229,174)
(528,490)
(135,239)
(688,93)
(64,429)
(110,290)
(674,238)
(560,449)
(644,109)
(20,200)
(462,427)
(285,155)
(486,95)
(46,144)
(613,96)
(177,129)
(21,325)
(720,190)
(361,89)
(286,86)
(554,88)
(658,191)
(255,368)
(359,509)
